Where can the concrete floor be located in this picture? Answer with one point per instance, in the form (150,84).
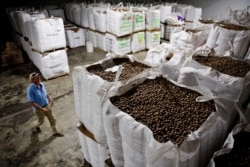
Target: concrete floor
(19,145)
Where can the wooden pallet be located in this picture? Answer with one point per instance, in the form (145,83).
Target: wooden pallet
(56,77)
(53,50)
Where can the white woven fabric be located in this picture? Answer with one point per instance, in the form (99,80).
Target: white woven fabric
(101,41)
(187,39)
(51,64)
(138,42)
(119,21)
(75,37)
(100,19)
(223,40)
(153,38)
(133,144)
(89,92)
(84,16)
(152,18)
(138,19)
(118,45)
(93,152)
(47,34)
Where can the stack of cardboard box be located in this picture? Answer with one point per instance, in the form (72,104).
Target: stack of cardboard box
(11,55)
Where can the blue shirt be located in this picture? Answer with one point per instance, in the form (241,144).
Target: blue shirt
(37,95)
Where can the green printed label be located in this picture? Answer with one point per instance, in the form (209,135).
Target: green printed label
(139,18)
(155,23)
(125,25)
(140,37)
(123,43)
(155,37)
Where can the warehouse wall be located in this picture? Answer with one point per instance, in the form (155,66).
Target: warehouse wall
(215,8)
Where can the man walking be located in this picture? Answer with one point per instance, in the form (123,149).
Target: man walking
(41,103)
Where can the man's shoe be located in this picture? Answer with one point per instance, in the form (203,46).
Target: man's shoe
(58,134)
(38,129)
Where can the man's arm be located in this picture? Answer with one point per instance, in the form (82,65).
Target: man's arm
(40,108)
(50,99)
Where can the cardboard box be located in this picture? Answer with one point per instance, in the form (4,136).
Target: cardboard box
(11,57)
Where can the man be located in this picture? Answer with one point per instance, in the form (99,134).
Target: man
(41,103)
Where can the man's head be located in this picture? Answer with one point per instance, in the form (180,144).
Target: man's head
(34,77)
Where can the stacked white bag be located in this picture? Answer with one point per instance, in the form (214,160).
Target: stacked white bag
(74,36)
(138,41)
(100,19)
(27,32)
(153,29)
(101,41)
(119,21)
(51,64)
(75,12)
(84,15)
(47,34)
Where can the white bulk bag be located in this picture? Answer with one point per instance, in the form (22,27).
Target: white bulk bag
(153,38)
(152,18)
(32,16)
(89,92)
(47,34)
(222,85)
(84,16)
(188,39)
(66,8)
(248,54)
(239,17)
(132,143)
(168,30)
(158,54)
(165,10)
(93,152)
(22,18)
(76,13)
(189,12)
(75,37)
(57,13)
(11,17)
(91,37)
(223,38)
(242,103)
(91,20)
(203,24)
(52,64)
(101,41)
(100,19)
(17,15)
(138,42)
(162,26)
(118,45)
(28,28)
(119,21)
(138,19)
(229,143)
(45,12)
